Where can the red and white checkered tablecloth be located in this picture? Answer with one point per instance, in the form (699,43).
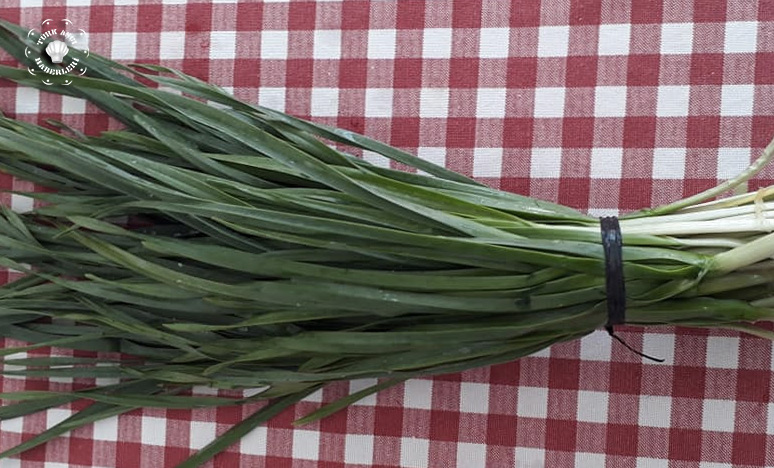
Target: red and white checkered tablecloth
(603,105)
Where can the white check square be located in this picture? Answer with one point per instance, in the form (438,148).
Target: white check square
(610,101)
(435,155)
(741,37)
(361,384)
(655,411)
(529,457)
(418,393)
(553,41)
(487,162)
(673,101)
(171,45)
(274,45)
(587,459)
(27,100)
(359,449)
(592,406)
(325,102)
(546,163)
(597,346)
(153,431)
(223,45)
(378,102)
(72,105)
(437,43)
(676,38)
(718,415)
(606,163)
(469,454)
(474,397)
(381,43)
(106,429)
(327,44)
(490,103)
(414,453)
(647,462)
(434,102)
(732,161)
(661,345)
(614,39)
(549,102)
(532,402)
(201,434)
(306,444)
(494,42)
(722,352)
(254,443)
(669,163)
(123,46)
(737,100)
(273,98)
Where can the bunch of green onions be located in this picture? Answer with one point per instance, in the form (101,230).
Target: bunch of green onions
(218,243)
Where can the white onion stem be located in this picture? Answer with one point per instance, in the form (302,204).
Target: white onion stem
(744,255)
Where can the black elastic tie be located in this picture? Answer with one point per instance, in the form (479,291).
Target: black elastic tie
(614,277)
(615,286)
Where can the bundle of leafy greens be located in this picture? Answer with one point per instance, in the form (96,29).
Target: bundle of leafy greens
(218,243)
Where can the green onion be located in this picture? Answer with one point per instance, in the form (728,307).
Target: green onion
(234,246)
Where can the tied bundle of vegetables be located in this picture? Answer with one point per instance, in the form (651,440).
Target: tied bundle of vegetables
(218,243)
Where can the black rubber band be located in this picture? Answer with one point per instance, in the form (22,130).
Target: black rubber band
(615,287)
(612,244)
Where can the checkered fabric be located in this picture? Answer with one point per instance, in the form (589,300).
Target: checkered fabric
(603,105)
